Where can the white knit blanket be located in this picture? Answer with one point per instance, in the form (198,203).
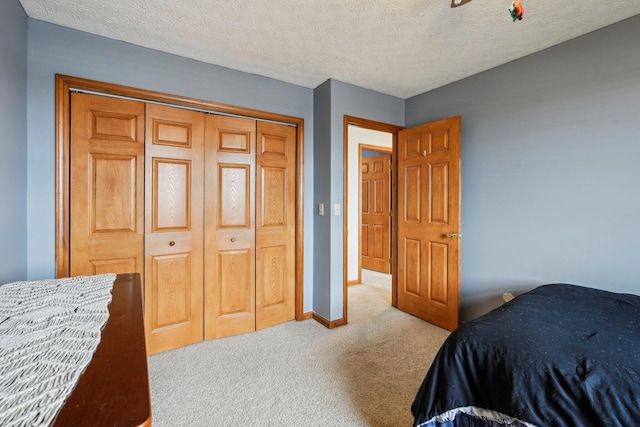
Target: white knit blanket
(49,330)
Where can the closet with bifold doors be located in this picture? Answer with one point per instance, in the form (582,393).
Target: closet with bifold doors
(201,205)
(249,225)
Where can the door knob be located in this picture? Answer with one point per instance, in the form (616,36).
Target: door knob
(452,235)
(172,243)
(233,239)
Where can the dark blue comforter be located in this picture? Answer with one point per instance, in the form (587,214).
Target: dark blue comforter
(559,355)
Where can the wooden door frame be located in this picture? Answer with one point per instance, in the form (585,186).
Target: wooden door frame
(382,127)
(65,84)
(382,150)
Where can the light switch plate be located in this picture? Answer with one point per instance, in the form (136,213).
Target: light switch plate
(336,209)
(320,208)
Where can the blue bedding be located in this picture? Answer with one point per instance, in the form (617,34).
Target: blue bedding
(559,355)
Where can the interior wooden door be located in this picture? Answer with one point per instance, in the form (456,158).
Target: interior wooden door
(174,227)
(374,202)
(275,224)
(106,185)
(230,226)
(429,222)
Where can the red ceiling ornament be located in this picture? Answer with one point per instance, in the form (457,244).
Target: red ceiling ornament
(516,11)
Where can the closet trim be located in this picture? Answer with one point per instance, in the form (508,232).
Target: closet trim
(66,84)
(184,107)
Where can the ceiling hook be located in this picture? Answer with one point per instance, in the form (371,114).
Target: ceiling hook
(456,3)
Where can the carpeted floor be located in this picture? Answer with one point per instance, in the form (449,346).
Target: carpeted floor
(300,373)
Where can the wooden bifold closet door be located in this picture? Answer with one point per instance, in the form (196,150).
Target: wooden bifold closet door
(275,224)
(202,206)
(230,226)
(107,186)
(174,203)
(249,225)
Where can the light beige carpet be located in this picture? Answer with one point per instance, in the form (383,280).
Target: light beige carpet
(300,373)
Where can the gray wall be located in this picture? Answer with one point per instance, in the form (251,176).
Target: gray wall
(322,194)
(53,49)
(13,128)
(550,175)
(550,144)
(336,101)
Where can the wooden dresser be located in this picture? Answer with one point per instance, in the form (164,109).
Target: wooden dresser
(114,389)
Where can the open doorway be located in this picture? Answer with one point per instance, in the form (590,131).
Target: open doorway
(366,144)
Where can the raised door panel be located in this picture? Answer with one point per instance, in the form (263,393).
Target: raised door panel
(275,219)
(171,290)
(412,206)
(412,271)
(274,143)
(229,226)
(411,147)
(438,273)
(234,188)
(235,136)
(117,266)
(174,227)
(439,141)
(172,134)
(438,201)
(106,185)
(273,197)
(111,125)
(380,196)
(113,193)
(364,236)
(364,200)
(273,286)
(171,202)
(379,241)
(234,278)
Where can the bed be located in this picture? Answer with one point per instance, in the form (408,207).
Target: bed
(559,355)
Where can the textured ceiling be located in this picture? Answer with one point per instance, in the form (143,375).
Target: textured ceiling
(401,48)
